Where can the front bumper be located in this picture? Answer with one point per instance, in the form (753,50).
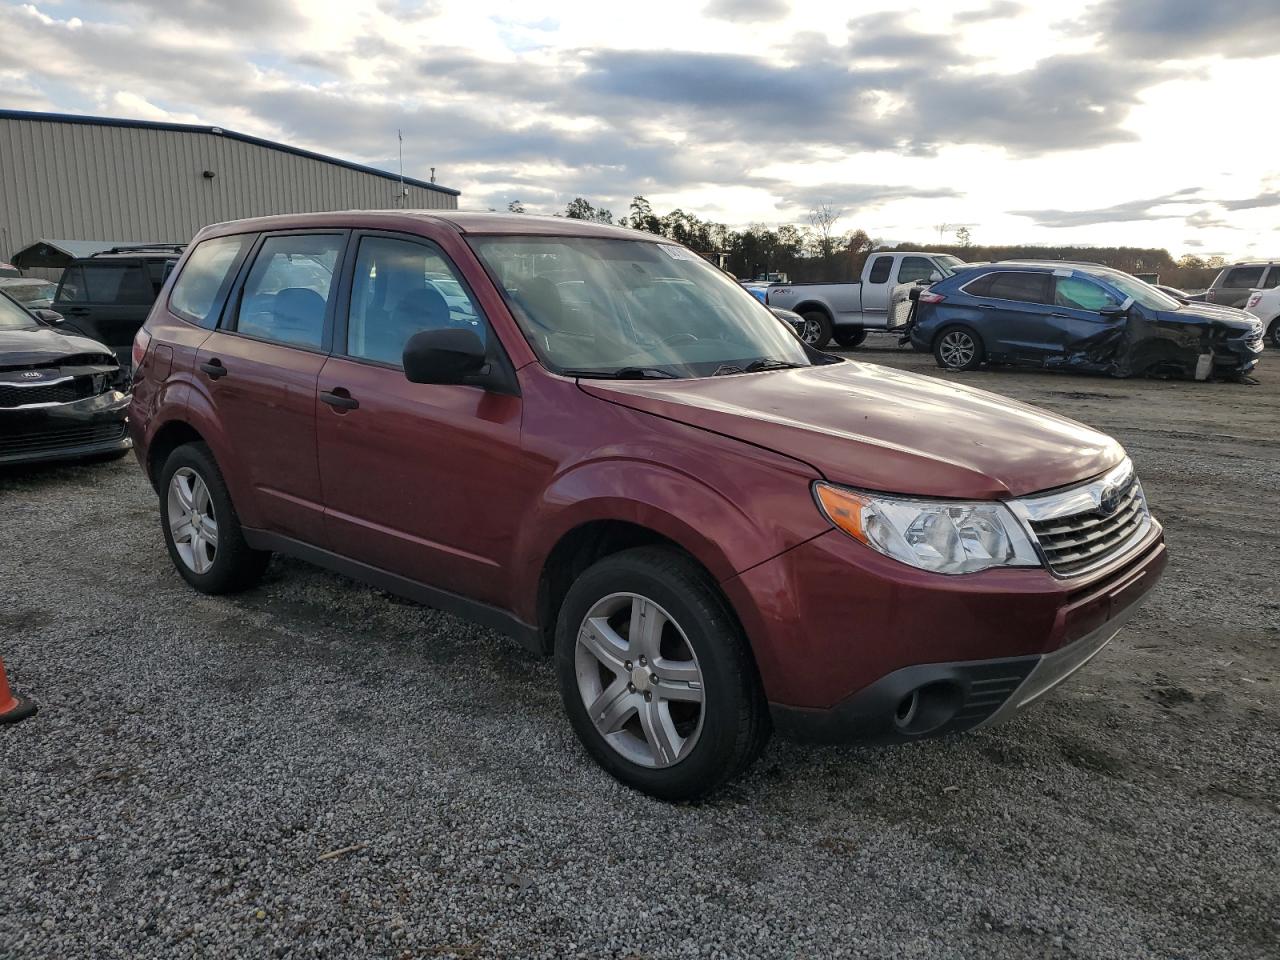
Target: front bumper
(65,431)
(853,646)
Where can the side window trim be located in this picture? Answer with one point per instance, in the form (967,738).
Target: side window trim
(231,307)
(347,288)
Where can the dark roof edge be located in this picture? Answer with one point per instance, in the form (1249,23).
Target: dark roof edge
(220,132)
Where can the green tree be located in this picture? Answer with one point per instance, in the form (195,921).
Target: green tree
(963,237)
(515,206)
(581,209)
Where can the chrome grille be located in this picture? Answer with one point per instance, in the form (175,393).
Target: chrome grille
(1084,527)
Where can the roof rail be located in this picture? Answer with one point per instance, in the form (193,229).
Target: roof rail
(142,248)
(1083,263)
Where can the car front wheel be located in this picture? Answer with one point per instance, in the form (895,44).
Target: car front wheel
(1273,334)
(656,676)
(958,348)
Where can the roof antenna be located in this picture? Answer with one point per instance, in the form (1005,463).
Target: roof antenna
(401,195)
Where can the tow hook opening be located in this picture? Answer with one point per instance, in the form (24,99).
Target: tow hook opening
(927,707)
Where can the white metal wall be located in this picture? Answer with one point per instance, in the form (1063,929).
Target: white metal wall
(76,181)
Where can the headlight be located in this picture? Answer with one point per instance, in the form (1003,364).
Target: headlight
(944,536)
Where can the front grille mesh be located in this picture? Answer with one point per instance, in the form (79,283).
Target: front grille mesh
(56,438)
(64,392)
(1078,541)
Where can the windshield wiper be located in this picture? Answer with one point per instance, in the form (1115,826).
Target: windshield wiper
(624,373)
(770,363)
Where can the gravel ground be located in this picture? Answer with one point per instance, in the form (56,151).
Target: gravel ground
(315,769)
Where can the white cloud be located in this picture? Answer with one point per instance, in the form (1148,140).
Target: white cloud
(740,110)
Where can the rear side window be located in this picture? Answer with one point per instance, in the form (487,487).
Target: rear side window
(980,287)
(205,278)
(286,294)
(1023,287)
(880,268)
(915,268)
(1243,277)
(124,283)
(1273,277)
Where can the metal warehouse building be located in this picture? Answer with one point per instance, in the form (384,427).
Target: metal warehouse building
(88,178)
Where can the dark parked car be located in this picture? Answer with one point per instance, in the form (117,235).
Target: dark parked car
(1233,284)
(1079,317)
(619,456)
(61,396)
(107,296)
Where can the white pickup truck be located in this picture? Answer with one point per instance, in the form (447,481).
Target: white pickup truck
(846,311)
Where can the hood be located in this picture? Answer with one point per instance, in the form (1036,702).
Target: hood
(882,429)
(1230,317)
(41,345)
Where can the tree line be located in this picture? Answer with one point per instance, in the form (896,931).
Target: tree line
(815,251)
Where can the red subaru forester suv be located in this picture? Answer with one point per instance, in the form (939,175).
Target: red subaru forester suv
(590,438)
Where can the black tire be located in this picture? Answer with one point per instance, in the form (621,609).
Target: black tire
(236,566)
(1273,334)
(735,718)
(818,329)
(850,337)
(948,344)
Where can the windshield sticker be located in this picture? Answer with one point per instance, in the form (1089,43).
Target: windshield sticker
(676,253)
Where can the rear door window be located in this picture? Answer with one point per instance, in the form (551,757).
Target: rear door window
(286,296)
(205,278)
(1022,287)
(114,283)
(1243,277)
(1273,277)
(880,268)
(915,268)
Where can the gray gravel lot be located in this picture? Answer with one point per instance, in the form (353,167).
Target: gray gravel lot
(195,758)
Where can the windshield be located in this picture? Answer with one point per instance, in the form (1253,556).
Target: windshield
(597,307)
(13,317)
(948,264)
(1142,292)
(30,291)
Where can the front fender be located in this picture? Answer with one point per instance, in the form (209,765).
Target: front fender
(724,532)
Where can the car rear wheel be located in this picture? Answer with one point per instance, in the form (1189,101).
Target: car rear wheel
(817,329)
(1273,335)
(851,336)
(201,529)
(656,676)
(958,348)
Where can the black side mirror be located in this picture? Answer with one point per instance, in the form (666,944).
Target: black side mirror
(52,317)
(449,355)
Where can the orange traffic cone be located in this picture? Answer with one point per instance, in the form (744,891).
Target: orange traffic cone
(12,709)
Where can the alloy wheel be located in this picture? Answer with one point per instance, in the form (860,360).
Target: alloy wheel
(957,348)
(191,520)
(639,680)
(812,331)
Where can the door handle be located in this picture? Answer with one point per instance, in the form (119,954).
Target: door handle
(214,369)
(339,399)
(986,306)
(77,311)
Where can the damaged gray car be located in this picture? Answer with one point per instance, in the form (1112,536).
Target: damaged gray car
(1079,316)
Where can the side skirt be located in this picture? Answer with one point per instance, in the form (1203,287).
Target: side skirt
(530,637)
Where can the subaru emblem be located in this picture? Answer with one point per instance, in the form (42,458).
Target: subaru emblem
(1109,499)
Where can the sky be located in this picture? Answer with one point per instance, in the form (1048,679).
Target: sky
(1120,122)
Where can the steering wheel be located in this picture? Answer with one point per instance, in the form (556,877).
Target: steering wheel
(675,338)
